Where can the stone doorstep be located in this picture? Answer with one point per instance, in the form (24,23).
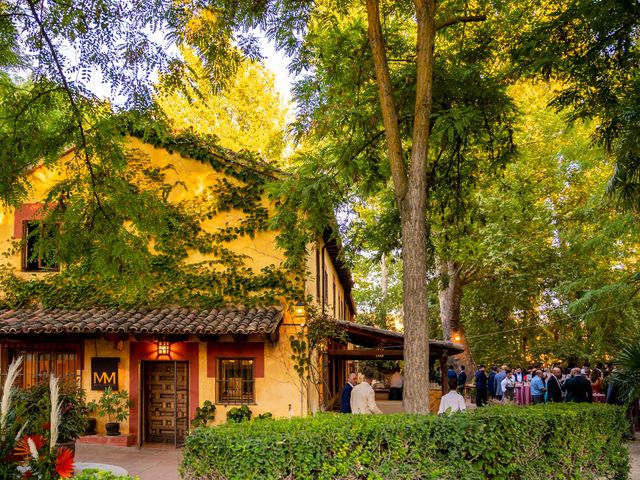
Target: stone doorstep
(115,440)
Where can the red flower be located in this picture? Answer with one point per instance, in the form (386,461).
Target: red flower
(27,474)
(22,446)
(46,426)
(64,463)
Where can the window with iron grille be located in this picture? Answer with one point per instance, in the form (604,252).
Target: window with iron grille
(235,380)
(38,365)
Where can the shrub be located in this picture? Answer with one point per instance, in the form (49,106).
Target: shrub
(265,416)
(35,403)
(204,414)
(239,414)
(527,443)
(95,474)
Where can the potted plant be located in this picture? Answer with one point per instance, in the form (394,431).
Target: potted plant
(91,409)
(114,405)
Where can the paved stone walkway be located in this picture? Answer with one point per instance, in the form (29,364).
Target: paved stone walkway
(149,463)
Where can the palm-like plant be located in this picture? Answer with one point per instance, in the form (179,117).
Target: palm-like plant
(627,372)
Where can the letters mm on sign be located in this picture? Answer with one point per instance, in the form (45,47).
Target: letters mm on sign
(104,373)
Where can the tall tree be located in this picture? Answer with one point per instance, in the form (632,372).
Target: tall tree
(247,114)
(593,47)
(340,100)
(556,281)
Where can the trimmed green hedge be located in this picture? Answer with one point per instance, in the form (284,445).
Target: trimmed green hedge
(501,442)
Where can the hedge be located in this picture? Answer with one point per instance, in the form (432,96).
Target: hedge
(500,442)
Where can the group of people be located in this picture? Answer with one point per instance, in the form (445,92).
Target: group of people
(547,385)
(359,397)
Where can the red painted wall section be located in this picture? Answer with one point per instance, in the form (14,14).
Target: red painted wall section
(181,351)
(26,211)
(253,350)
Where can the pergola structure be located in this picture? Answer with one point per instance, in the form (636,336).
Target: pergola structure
(372,343)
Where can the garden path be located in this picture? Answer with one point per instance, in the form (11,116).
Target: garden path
(152,462)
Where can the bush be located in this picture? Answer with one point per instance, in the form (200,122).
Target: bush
(204,414)
(35,404)
(239,414)
(95,474)
(527,443)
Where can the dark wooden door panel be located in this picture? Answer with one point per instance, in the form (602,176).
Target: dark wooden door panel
(167,401)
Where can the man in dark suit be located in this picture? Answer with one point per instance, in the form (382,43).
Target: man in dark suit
(578,388)
(345,398)
(481,387)
(554,388)
(462,380)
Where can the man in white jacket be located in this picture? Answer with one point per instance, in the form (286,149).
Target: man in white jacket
(452,401)
(363,398)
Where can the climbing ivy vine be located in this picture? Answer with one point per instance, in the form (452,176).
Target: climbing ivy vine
(123,244)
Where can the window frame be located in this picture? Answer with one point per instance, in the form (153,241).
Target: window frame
(220,382)
(36,357)
(26,254)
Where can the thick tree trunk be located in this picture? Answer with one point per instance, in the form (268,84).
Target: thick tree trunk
(416,325)
(450,296)
(411,191)
(450,288)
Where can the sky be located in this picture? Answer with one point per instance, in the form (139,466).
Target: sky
(274,60)
(277,62)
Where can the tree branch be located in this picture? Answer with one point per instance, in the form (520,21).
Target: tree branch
(460,19)
(387,103)
(74,106)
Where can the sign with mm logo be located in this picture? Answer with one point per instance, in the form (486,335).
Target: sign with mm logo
(104,373)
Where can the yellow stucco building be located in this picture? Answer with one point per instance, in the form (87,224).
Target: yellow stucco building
(171,359)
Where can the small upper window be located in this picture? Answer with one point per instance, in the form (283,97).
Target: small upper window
(38,247)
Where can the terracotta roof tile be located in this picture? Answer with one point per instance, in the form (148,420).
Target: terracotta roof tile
(159,321)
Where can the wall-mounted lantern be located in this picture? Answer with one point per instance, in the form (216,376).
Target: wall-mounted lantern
(299,310)
(163,349)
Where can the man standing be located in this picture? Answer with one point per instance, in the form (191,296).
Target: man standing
(517,375)
(363,398)
(499,377)
(395,385)
(481,387)
(452,375)
(452,401)
(462,380)
(345,398)
(491,384)
(578,388)
(538,388)
(554,389)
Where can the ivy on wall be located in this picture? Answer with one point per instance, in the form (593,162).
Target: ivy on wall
(122,244)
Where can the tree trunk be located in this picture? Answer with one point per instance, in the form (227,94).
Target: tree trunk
(450,285)
(384,287)
(416,325)
(410,191)
(450,296)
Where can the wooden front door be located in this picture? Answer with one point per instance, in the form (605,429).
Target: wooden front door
(166,402)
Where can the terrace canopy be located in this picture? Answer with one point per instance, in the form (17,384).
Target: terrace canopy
(372,343)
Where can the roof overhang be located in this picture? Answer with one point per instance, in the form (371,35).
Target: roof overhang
(385,344)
